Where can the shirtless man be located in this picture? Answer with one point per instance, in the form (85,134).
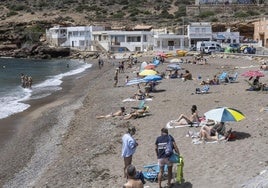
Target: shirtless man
(132,181)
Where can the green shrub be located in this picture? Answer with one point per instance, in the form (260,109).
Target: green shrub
(241,14)
(11,13)
(206,14)
(214,19)
(119,15)
(253,13)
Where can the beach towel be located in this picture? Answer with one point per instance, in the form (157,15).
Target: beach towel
(131,100)
(171,125)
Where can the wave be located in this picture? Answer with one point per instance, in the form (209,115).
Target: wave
(14,101)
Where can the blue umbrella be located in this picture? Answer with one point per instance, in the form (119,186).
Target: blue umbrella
(151,78)
(156,62)
(174,66)
(135,81)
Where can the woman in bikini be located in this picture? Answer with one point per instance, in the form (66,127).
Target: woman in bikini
(120,112)
(184,120)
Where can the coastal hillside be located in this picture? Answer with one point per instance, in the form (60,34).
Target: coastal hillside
(23,22)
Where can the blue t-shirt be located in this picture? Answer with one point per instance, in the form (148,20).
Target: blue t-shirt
(161,143)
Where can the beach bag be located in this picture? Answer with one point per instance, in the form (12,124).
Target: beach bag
(140,176)
(179,176)
(169,147)
(174,158)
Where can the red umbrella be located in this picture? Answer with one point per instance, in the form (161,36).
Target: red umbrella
(161,54)
(252,73)
(150,66)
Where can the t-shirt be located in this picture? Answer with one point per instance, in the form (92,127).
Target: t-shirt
(161,143)
(128,146)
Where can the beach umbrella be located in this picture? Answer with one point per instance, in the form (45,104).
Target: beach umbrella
(224,114)
(174,66)
(161,54)
(156,62)
(135,82)
(143,64)
(252,73)
(175,60)
(147,72)
(149,66)
(151,78)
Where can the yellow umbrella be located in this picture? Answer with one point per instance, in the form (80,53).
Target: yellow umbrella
(147,72)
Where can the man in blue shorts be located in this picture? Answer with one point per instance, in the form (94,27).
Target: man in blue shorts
(161,144)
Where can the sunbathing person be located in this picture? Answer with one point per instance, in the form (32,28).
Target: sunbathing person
(184,120)
(137,113)
(139,95)
(216,132)
(120,112)
(187,75)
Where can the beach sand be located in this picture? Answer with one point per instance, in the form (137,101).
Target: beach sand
(58,142)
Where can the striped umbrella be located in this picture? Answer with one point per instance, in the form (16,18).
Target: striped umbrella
(224,114)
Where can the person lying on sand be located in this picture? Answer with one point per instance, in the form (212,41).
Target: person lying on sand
(120,112)
(137,113)
(216,132)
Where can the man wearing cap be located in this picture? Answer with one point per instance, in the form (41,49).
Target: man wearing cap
(160,145)
(128,147)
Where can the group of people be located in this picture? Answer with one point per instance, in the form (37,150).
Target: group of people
(210,131)
(122,113)
(26,81)
(129,146)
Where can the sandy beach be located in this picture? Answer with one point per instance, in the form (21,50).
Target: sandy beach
(58,142)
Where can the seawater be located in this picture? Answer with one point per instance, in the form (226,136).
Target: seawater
(47,78)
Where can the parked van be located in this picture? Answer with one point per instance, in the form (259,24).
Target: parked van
(200,45)
(209,49)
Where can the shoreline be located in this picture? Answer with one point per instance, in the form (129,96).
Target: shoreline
(30,126)
(88,154)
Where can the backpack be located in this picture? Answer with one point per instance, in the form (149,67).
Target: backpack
(169,147)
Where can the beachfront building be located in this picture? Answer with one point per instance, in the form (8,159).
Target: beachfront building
(261,31)
(121,41)
(198,31)
(226,36)
(79,37)
(169,42)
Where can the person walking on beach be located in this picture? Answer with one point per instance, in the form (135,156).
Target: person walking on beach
(160,146)
(116,77)
(129,146)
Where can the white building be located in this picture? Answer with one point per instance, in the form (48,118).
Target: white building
(169,42)
(120,41)
(77,37)
(199,31)
(226,37)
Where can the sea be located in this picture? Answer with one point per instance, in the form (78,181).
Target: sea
(47,78)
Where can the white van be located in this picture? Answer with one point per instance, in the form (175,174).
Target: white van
(210,49)
(200,45)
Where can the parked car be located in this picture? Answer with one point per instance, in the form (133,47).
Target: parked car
(247,49)
(234,47)
(211,49)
